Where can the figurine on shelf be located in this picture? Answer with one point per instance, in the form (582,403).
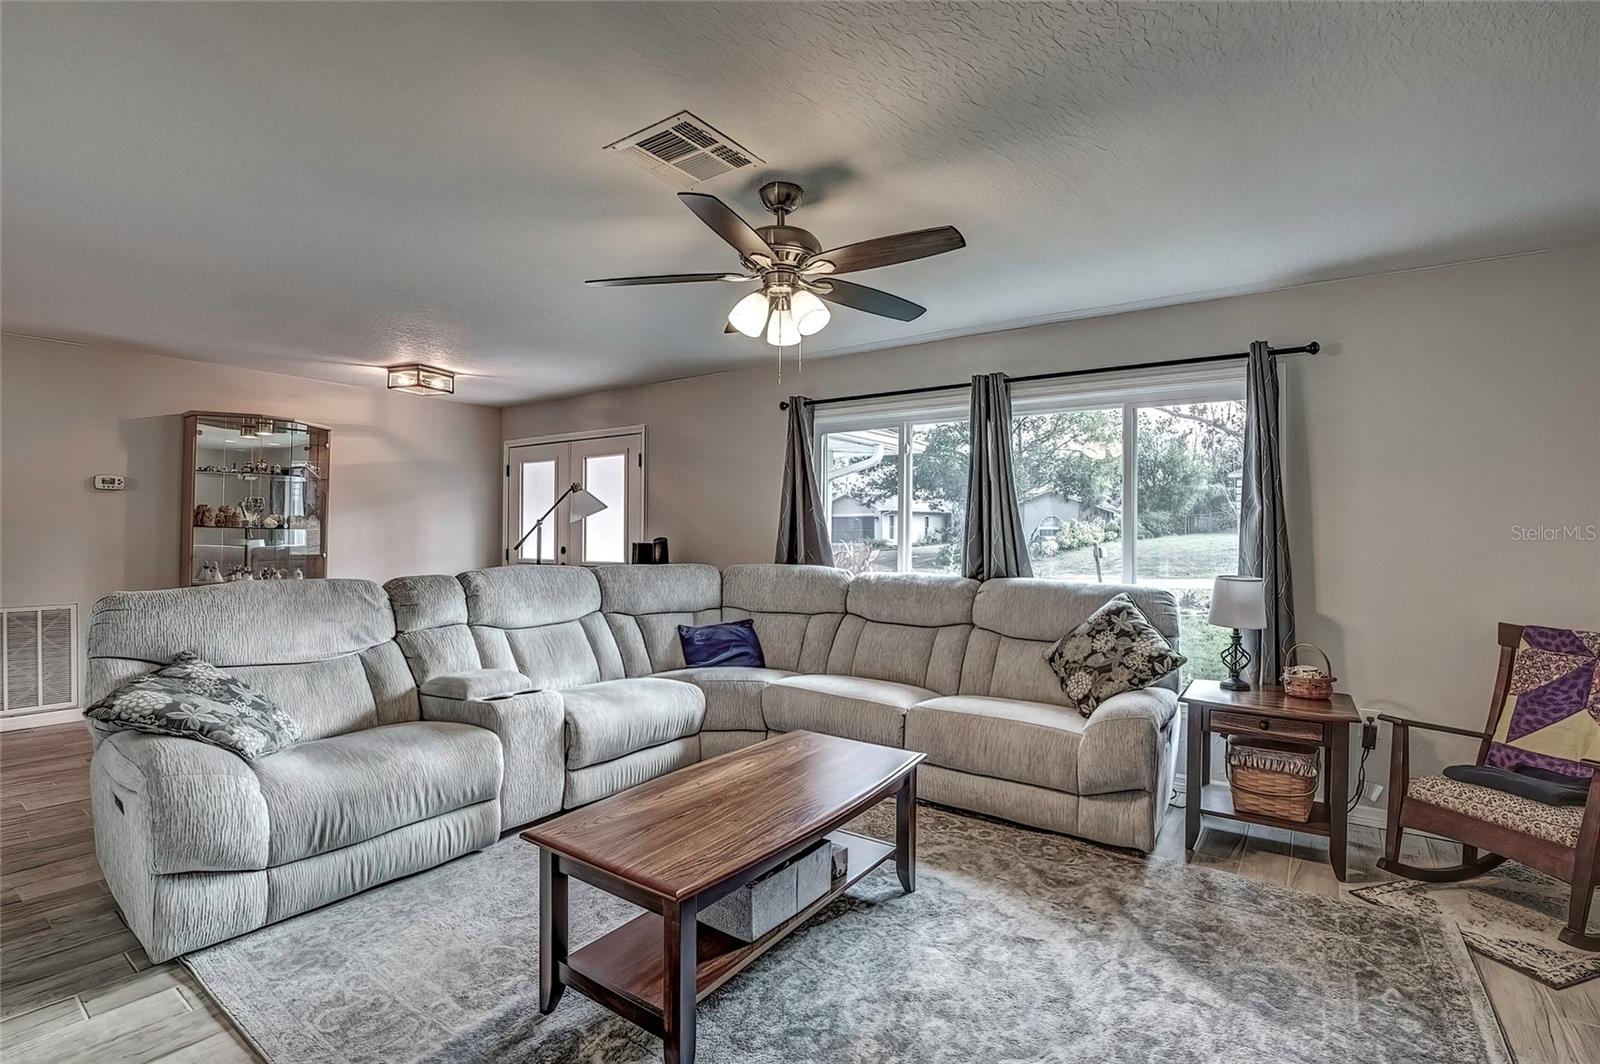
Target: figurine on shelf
(228,517)
(204,516)
(251,510)
(271,520)
(210,573)
(277,470)
(299,574)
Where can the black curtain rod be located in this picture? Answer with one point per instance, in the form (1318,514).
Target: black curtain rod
(1305,349)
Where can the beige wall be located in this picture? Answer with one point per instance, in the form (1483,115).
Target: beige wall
(1448,407)
(415,485)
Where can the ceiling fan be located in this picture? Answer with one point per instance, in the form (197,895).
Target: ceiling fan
(797,277)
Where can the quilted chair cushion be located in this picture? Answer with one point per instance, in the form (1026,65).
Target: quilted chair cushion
(331,793)
(1553,823)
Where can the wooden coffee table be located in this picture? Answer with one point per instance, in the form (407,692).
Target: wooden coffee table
(680,842)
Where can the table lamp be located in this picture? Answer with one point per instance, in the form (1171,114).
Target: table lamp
(1237,602)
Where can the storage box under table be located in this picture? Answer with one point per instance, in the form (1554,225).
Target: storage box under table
(764,903)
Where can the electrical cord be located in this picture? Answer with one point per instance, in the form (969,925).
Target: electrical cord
(1361,781)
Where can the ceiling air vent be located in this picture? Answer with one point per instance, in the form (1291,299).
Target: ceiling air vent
(684,150)
(38,669)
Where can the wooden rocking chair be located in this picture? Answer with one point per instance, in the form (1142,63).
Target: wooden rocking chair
(1563,841)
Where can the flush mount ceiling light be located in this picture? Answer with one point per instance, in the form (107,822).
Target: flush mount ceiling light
(419,379)
(796,275)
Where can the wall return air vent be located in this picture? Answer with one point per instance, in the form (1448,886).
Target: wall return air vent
(38,666)
(684,150)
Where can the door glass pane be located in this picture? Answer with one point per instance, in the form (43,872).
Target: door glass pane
(939,464)
(1068,468)
(538,492)
(605,534)
(1191,457)
(861,489)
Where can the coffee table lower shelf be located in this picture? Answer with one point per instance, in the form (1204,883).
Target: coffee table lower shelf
(627,961)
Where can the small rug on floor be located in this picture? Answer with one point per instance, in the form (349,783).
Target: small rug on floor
(1511,915)
(1017,946)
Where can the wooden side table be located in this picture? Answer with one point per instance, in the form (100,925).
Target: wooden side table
(1269,713)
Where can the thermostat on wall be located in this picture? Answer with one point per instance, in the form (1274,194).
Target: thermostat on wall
(107,482)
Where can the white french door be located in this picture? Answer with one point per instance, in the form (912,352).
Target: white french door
(610,467)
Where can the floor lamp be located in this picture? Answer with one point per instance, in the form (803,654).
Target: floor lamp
(583,505)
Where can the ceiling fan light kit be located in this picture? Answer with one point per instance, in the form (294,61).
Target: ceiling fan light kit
(798,277)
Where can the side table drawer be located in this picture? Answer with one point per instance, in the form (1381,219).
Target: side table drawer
(1250,724)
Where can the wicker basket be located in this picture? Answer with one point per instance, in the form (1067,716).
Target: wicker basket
(1281,794)
(1304,681)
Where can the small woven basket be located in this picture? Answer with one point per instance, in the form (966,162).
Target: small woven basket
(1269,792)
(1308,681)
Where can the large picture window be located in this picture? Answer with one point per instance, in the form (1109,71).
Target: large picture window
(1133,481)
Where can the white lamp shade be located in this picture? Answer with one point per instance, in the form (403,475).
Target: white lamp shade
(583,505)
(1238,602)
(810,313)
(781,329)
(749,315)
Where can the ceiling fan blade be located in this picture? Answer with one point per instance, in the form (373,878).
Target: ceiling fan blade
(860,297)
(668,278)
(726,224)
(888,250)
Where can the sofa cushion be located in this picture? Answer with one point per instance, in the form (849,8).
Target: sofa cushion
(194,699)
(928,600)
(644,604)
(1026,742)
(854,707)
(796,610)
(733,695)
(610,719)
(334,792)
(1018,619)
(1115,650)
(721,646)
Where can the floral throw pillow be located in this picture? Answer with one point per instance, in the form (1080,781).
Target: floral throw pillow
(196,700)
(1117,649)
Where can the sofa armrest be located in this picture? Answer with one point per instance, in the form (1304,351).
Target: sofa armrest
(532,730)
(175,791)
(478,685)
(1124,742)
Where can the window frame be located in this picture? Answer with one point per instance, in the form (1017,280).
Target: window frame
(1128,391)
(901,415)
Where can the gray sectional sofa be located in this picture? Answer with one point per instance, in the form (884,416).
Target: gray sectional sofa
(441,711)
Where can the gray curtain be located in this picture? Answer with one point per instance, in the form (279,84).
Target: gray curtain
(1263,531)
(994,543)
(802,520)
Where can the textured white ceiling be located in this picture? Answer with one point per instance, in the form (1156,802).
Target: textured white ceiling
(322,188)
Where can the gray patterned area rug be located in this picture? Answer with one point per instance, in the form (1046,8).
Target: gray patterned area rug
(1017,946)
(1511,915)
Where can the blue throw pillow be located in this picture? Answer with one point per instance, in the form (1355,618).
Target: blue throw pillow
(721,646)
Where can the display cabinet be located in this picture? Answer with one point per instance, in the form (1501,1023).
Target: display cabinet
(255,499)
